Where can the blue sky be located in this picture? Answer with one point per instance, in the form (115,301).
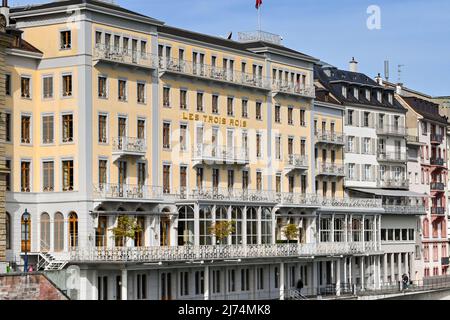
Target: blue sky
(414,33)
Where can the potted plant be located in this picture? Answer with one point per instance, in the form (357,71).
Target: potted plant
(222,229)
(127,228)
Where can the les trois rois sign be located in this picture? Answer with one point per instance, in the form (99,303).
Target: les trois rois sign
(213,119)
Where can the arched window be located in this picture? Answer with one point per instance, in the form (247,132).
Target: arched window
(426,228)
(58,232)
(186,226)
(266,226)
(25,234)
(205,215)
(73,230)
(236,216)
(252,224)
(8,231)
(45,232)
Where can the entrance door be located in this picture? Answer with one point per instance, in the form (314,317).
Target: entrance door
(165,232)
(166,286)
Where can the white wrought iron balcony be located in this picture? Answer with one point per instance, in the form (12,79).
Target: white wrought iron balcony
(329,137)
(129,146)
(391,157)
(117,191)
(292,88)
(405,209)
(224,194)
(394,183)
(208,72)
(220,252)
(114,55)
(296,162)
(330,169)
(289,199)
(350,203)
(209,153)
(391,130)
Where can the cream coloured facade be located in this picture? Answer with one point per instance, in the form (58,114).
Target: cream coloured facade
(117,114)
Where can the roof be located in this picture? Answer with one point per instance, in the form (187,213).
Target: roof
(427,109)
(16,41)
(389,193)
(63,3)
(263,44)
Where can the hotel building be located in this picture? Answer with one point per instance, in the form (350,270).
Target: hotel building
(114,114)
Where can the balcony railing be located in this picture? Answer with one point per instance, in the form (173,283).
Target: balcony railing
(220,252)
(129,145)
(436,138)
(330,169)
(222,154)
(437,186)
(223,194)
(438,162)
(439,211)
(126,191)
(412,139)
(405,209)
(330,137)
(391,130)
(287,87)
(124,56)
(391,157)
(399,183)
(199,70)
(297,161)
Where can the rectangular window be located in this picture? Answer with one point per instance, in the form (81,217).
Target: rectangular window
(48,176)
(366,119)
(26,129)
(141,129)
(200,101)
(303,118)
(166,97)
(122,94)
(8,127)
(102,172)
(47,129)
(277,114)
(259,180)
(199,178)
(67,175)
(8,175)
(244,108)
(350,117)
(258,145)
(25,87)
(245,279)
(215,104)
(278,148)
(230,179)
(102,87)
(260,279)
(8,84)
(199,282)
(166,135)
(25,182)
(183,99)
(67,128)
(183,137)
(231,280)
(102,127)
(183,177)
(166,178)
(216,281)
(141,92)
(258,111)
(47,87)
(215,178)
(230,106)
(245,180)
(67,85)
(184,283)
(66,40)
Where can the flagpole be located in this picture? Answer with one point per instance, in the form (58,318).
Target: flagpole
(259,18)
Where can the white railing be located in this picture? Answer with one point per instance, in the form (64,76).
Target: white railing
(362,203)
(404,209)
(213,153)
(330,169)
(213,73)
(297,161)
(330,137)
(391,156)
(190,253)
(126,191)
(121,55)
(393,183)
(129,144)
(391,130)
(298,199)
(293,88)
(224,194)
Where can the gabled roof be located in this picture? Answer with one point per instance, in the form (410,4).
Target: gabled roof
(427,109)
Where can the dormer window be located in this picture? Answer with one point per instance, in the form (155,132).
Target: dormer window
(356,93)
(368,94)
(344,91)
(379,96)
(390,98)
(66,40)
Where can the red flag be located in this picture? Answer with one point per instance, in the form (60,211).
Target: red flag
(258,4)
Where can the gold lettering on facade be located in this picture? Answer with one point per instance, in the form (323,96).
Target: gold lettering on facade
(214,119)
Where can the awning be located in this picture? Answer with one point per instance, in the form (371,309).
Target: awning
(390,193)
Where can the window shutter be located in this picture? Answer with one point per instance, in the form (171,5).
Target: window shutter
(358,172)
(373,173)
(357,144)
(374,146)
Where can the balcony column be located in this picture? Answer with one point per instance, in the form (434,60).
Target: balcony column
(206,283)
(282,285)
(385,268)
(196,225)
(399,264)
(362,272)
(378,272)
(274,227)
(52,236)
(124,286)
(393,280)
(332,227)
(253,281)
(345,270)
(407,264)
(346,229)
(379,233)
(66,238)
(338,277)
(94,284)
(147,231)
(258,225)
(244,223)
(111,221)
(351,274)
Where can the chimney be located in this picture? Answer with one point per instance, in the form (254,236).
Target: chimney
(4,3)
(353,65)
(399,88)
(379,79)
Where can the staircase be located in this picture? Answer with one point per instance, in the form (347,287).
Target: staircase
(295,295)
(47,262)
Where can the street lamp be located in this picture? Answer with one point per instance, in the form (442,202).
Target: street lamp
(26,219)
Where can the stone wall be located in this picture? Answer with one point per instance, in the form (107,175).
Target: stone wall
(34,286)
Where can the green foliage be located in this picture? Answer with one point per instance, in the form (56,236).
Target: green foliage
(291,232)
(127,227)
(222,229)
